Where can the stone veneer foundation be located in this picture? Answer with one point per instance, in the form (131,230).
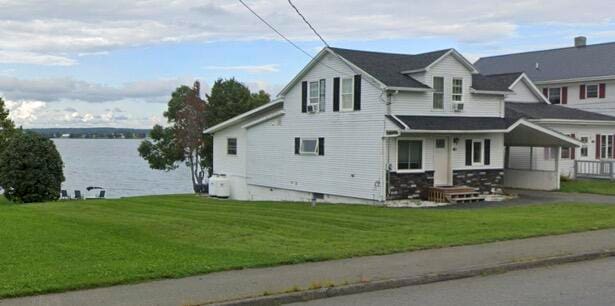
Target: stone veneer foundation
(415,185)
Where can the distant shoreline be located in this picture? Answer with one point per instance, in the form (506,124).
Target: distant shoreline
(92,133)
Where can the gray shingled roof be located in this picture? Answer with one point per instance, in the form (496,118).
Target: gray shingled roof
(496,82)
(387,67)
(515,111)
(556,64)
(435,123)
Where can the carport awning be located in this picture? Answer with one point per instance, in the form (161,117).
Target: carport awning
(526,134)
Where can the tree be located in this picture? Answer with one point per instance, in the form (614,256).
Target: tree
(183,139)
(188,116)
(7,127)
(31,171)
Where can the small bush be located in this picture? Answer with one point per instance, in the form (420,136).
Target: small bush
(31,169)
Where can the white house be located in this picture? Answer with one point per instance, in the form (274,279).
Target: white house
(368,127)
(580,77)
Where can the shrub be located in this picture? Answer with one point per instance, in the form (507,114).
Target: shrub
(31,169)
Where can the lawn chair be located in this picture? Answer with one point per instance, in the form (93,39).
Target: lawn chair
(78,195)
(64,195)
(101,195)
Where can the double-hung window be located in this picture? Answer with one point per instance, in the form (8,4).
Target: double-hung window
(592,91)
(584,148)
(347,94)
(477,152)
(555,96)
(409,154)
(438,93)
(314,97)
(231,146)
(606,146)
(457,90)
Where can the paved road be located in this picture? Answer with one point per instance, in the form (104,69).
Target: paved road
(583,283)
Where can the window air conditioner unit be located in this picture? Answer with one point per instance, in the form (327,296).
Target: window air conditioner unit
(312,108)
(457,106)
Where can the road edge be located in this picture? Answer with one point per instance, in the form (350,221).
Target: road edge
(308,295)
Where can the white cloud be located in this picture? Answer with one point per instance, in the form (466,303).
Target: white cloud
(25,57)
(48,28)
(58,89)
(248,69)
(25,111)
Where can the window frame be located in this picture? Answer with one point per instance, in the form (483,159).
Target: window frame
(301,146)
(342,94)
(228,147)
(559,89)
(310,97)
(460,94)
(420,170)
(440,93)
(584,146)
(587,91)
(606,146)
(481,151)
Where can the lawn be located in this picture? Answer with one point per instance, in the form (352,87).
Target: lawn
(605,187)
(79,244)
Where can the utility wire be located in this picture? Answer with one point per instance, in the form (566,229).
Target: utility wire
(288,40)
(308,23)
(275,30)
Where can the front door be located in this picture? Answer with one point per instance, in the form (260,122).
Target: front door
(441,162)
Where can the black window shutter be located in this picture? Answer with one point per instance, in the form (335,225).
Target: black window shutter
(297,144)
(487,151)
(321,146)
(357,92)
(468,152)
(304,92)
(336,94)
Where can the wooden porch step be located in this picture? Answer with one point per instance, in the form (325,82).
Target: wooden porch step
(454,194)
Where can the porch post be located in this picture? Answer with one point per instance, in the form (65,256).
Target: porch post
(558,154)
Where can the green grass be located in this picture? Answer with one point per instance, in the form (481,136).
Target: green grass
(605,187)
(79,244)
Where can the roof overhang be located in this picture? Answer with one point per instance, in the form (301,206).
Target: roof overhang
(244,116)
(490,92)
(580,79)
(574,122)
(527,134)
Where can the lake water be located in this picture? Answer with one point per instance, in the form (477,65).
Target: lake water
(115,164)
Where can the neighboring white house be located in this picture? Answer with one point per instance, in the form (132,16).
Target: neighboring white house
(580,77)
(365,127)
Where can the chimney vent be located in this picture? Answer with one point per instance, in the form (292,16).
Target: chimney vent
(580,41)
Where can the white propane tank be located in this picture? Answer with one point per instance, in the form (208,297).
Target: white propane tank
(223,187)
(212,185)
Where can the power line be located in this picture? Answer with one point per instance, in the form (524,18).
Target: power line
(308,23)
(275,30)
(288,40)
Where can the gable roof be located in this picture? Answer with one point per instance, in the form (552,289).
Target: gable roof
(496,82)
(518,110)
(387,67)
(556,64)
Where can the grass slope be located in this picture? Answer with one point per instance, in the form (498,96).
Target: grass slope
(78,244)
(605,187)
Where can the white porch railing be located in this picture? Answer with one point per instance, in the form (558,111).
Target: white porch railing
(604,169)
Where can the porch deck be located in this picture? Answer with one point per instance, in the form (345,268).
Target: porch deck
(454,194)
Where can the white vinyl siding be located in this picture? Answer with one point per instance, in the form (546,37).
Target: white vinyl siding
(603,106)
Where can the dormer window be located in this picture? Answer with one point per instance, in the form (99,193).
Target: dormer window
(457,90)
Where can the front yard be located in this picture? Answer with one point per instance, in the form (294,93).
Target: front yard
(605,187)
(79,244)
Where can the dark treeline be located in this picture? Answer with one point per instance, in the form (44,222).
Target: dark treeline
(89,133)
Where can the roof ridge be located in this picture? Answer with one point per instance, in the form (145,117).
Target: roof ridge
(391,53)
(548,50)
(502,74)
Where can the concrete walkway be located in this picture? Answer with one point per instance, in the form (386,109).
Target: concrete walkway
(221,286)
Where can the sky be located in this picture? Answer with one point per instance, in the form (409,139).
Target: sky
(115,63)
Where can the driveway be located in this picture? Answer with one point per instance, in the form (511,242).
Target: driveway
(527,197)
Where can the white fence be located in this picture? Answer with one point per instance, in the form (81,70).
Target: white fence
(602,169)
